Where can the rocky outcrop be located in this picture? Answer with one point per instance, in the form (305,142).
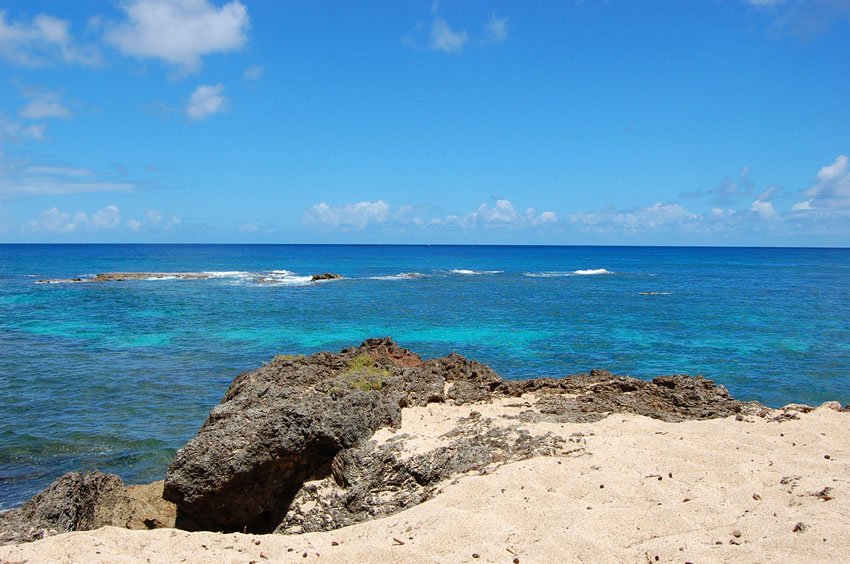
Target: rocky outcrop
(295,445)
(301,419)
(374,480)
(325,276)
(124,276)
(86,501)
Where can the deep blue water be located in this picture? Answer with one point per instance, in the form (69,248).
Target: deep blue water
(117,376)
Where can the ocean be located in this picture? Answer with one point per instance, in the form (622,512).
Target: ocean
(118,375)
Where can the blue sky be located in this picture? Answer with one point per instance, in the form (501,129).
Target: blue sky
(722,122)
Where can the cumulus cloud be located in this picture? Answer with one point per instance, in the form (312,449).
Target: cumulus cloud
(41,42)
(179,32)
(205,101)
(154,220)
(56,220)
(362,215)
(445,39)
(832,189)
(501,215)
(43,105)
(764,209)
(653,217)
(348,216)
(495,29)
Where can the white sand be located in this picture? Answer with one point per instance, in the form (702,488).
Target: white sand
(737,490)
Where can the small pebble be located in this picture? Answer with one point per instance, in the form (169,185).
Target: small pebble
(826,456)
(334,543)
(757,497)
(476,555)
(516,560)
(601,486)
(304,555)
(660,478)
(736,533)
(257,542)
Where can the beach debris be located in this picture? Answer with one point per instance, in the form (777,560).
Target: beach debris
(800,527)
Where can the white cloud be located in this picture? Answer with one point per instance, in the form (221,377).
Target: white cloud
(16,131)
(44,105)
(76,172)
(180,32)
(107,218)
(835,170)
(444,39)
(58,221)
(205,101)
(348,216)
(22,180)
(42,41)
(495,29)
(154,220)
(764,209)
(652,217)
(832,189)
(365,214)
(765,3)
(253,73)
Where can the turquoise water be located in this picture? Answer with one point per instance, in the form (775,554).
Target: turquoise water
(117,376)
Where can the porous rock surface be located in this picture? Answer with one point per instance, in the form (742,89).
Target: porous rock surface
(309,419)
(85,501)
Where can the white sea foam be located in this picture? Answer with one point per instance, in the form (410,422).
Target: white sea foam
(228,274)
(592,272)
(466,272)
(401,276)
(547,274)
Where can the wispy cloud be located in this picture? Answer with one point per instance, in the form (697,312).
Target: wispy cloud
(728,191)
(15,131)
(495,29)
(445,39)
(19,180)
(44,105)
(179,32)
(253,73)
(42,41)
(206,100)
(656,216)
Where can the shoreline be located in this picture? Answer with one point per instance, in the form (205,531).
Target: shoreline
(339,448)
(711,490)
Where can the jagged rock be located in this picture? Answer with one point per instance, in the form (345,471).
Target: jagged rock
(325,276)
(276,428)
(590,397)
(304,419)
(85,501)
(371,480)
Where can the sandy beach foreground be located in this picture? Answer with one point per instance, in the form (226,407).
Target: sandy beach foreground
(629,488)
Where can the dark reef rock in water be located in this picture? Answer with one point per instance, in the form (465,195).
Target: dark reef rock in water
(85,501)
(302,419)
(325,276)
